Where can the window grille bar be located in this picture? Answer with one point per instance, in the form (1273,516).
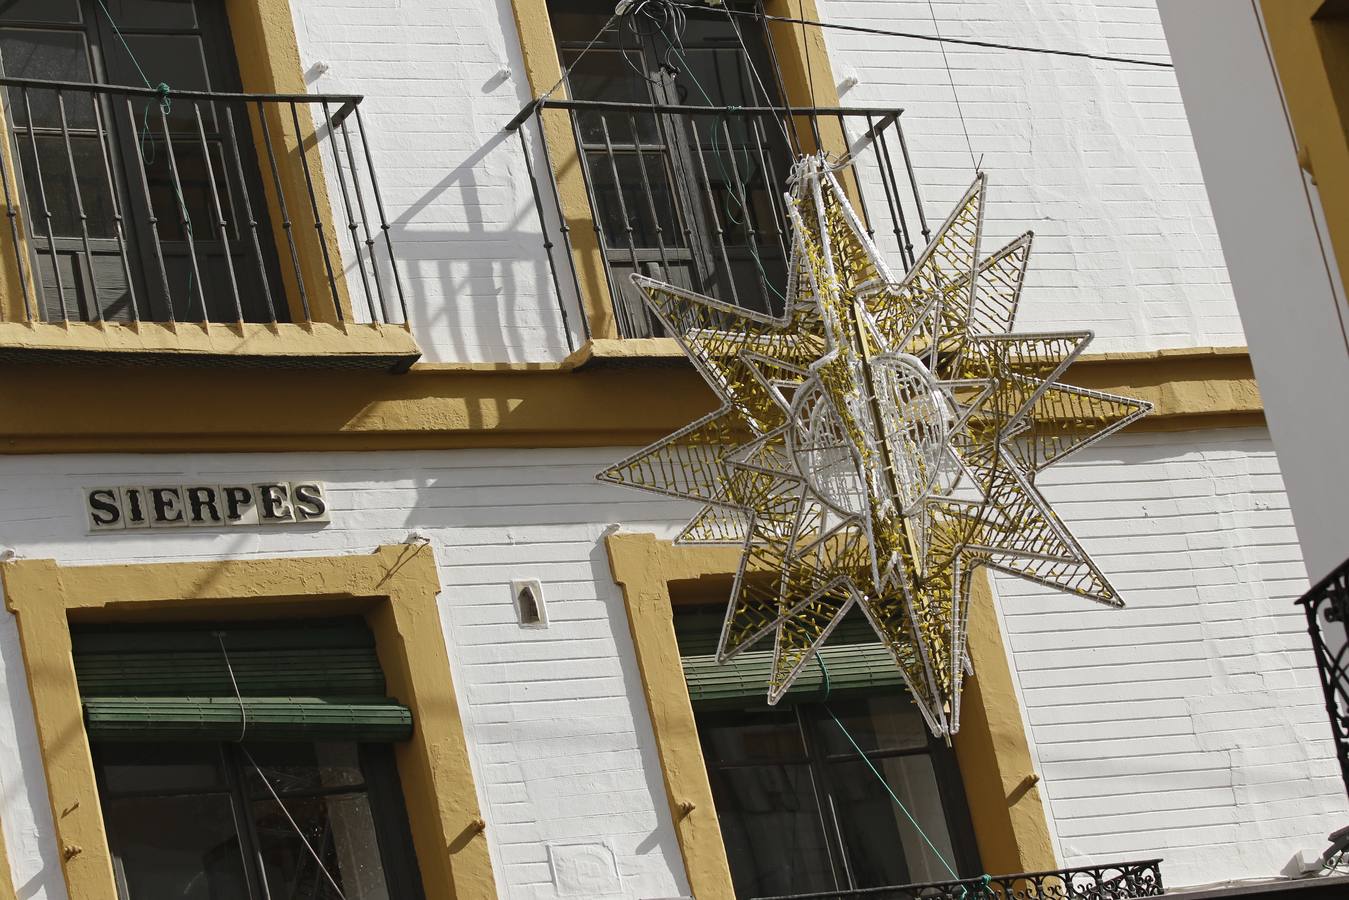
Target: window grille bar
(118,216)
(650,198)
(383,217)
(718,231)
(891,196)
(222,225)
(547,239)
(352,227)
(286,225)
(184,217)
(746,213)
(79,208)
(303,152)
(151,219)
(46,207)
(913,182)
(242,177)
(771,178)
(629,232)
(563,225)
(12,213)
(588,179)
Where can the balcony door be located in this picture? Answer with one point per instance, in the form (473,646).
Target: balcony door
(693,198)
(135,209)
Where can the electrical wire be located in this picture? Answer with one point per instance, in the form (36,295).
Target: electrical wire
(941,45)
(969,42)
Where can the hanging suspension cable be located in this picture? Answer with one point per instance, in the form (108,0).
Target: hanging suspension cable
(969,42)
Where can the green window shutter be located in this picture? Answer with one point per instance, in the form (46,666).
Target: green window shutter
(303,681)
(855,660)
(268,719)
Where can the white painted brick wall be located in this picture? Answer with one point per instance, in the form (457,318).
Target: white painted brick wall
(1188,725)
(1095,157)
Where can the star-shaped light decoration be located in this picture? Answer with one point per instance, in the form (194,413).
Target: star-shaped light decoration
(878,442)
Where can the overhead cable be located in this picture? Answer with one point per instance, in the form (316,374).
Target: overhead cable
(970,42)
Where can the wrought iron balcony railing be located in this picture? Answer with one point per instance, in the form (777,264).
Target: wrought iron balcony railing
(1327,609)
(1120,881)
(137,205)
(693,194)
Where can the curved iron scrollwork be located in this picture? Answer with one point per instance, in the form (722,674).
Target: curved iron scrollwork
(1118,881)
(1327,608)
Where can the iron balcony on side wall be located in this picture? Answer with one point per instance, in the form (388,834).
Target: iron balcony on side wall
(208,225)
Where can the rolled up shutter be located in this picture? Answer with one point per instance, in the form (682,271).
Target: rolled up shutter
(854,659)
(295,682)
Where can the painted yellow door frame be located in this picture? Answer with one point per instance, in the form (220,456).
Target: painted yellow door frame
(1010,826)
(394,587)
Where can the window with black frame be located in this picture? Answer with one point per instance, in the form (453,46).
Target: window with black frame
(685,178)
(247,762)
(803,790)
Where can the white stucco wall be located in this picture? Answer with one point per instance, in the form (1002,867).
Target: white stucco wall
(1096,158)
(1188,725)
(1282,264)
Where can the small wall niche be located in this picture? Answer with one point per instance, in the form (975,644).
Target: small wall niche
(530,610)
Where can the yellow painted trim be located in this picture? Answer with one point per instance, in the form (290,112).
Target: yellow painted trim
(1309,40)
(601,397)
(269,63)
(189,338)
(395,587)
(543,68)
(991,748)
(1006,807)
(13,286)
(643,568)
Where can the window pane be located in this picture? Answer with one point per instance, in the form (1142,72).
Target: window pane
(634,201)
(176,848)
(42,11)
(770,822)
(153,13)
(874,827)
(888,722)
(161,768)
(303,768)
(46,56)
(339,830)
(751,736)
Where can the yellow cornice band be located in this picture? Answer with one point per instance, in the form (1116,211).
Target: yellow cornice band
(595,399)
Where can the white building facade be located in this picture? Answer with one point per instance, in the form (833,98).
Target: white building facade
(1188,726)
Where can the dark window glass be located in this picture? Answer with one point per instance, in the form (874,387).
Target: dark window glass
(223,822)
(801,810)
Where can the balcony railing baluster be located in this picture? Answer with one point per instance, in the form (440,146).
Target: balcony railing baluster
(1118,881)
(161,206)
(1327,609)
(221,224)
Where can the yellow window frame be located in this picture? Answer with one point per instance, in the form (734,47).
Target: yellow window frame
(394,588)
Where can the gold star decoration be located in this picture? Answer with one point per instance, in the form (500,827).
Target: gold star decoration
(878,442)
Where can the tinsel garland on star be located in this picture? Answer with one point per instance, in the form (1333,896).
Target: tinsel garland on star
(878,442)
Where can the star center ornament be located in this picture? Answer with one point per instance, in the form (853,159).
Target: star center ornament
(878,442)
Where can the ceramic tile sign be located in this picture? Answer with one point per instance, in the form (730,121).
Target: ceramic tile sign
(271,503)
